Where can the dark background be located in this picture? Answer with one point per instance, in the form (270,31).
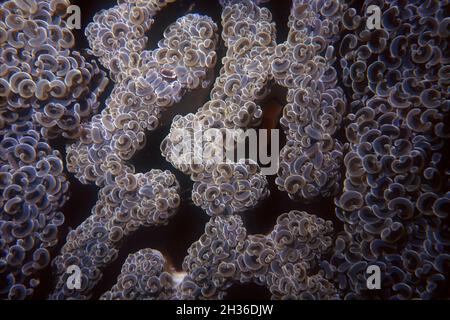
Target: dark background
(187,226)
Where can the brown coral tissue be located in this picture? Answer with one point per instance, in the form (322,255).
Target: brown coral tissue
(97,203)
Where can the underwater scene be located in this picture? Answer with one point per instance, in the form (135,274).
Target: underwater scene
(224,149)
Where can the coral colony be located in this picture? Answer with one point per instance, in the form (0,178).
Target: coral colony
(365,122)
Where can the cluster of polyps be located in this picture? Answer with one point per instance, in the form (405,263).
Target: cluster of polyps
(146,83)
(311,160)
(229,188)
(46,90)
